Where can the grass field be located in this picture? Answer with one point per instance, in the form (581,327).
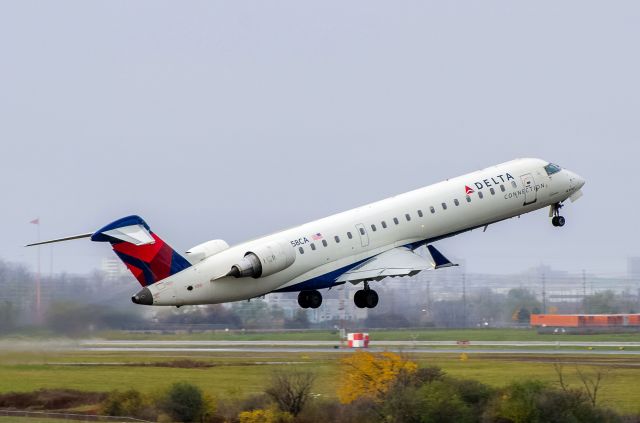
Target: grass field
(242,374)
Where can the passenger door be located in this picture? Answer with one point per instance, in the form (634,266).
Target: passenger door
(530,192)
(364,236)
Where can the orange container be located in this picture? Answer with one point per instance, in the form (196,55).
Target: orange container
(560,320)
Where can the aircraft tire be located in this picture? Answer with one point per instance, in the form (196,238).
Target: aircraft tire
(560,221)
(314,299)
(358,299)
(371,298)
(303,299)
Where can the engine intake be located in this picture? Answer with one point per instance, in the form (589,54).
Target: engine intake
(264,260)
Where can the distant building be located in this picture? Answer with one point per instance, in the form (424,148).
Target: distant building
(633,268)
(113,269)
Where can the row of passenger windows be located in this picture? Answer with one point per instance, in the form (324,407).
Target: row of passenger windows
(406,216)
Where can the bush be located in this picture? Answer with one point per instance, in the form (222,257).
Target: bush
(128,403)
(183,402)
(270,415)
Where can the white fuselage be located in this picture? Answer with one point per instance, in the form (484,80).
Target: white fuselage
(499,192)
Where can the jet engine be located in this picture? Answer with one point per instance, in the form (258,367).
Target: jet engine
(264,260)
(206,249)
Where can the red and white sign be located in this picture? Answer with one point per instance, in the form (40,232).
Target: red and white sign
(358,340)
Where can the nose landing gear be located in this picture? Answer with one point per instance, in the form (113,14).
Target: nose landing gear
(366,298)
(554,213)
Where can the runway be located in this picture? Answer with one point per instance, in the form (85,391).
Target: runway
(426,347)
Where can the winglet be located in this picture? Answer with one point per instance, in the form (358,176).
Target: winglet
(439,261)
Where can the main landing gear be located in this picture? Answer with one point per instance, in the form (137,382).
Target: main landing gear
(366,298)
(556,219)
(309,299)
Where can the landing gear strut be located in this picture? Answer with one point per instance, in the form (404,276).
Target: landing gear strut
(309,299)
(556,219)
(366,298)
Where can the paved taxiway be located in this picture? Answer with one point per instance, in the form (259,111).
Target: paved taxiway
(433,347)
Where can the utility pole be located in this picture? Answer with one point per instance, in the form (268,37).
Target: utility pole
(544,294)
(584,289)
(38,311)
(464,300)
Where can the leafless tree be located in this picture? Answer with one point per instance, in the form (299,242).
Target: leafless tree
(291,390)
(591,382)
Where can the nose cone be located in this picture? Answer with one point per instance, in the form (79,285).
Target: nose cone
(578,180)
(143,297)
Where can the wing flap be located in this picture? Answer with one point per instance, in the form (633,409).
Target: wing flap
(399,261)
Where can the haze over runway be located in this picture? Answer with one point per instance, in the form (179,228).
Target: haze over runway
(232,120)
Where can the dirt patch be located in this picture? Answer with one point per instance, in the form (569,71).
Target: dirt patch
(50,399)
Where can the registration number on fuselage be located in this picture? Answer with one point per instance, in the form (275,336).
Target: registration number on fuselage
(299,241)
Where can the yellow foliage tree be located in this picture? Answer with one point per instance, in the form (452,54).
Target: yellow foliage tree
(367,375)
(270,415)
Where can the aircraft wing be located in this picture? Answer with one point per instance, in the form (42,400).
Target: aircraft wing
(399,261)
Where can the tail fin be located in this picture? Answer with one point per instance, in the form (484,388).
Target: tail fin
(147,256)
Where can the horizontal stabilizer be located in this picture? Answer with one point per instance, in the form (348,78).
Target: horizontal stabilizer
(67,238)
(439,261)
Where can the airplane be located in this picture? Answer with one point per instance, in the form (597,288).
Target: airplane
(362,245)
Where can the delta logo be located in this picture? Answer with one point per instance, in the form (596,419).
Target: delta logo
(495,180)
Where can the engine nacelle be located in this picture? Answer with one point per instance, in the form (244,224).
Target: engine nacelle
(206,249)
(264,260)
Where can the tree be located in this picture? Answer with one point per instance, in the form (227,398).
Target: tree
(601,303)
(521,298)
(300,320)
(8,314)
(370,376)
(290,390)
(184,402)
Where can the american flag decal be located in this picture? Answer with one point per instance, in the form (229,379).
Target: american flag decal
(317,237)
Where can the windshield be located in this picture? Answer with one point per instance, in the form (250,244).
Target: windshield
(552,168)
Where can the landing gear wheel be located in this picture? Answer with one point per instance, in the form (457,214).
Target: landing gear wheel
(358,299)
(309,299)
(315,299)
(556,220)
(371,298)
(365,298)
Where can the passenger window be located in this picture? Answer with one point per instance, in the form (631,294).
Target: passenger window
(324,242)
(395,220)
(384,224)
(301,250)
(420,213)
(432,209)
(337,238)
(361,231)
(407,216)
(492,191)
(373,228)
(502,188)
(313,246)
(456,202)
(513,184)
(480,194)
(349,235)
(468,199)
(444,206)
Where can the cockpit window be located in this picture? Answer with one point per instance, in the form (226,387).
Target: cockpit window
(552,168)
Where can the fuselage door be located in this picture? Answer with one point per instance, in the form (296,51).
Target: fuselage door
(364,236)
(529,186)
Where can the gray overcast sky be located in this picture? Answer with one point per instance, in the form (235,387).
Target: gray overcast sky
(238,118)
